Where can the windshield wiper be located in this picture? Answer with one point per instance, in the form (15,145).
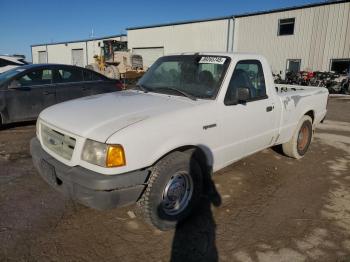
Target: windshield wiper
(183,93)
(142,88)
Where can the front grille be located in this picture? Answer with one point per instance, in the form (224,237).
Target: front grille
(57,142)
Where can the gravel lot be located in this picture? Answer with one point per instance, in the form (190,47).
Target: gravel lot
(272,208)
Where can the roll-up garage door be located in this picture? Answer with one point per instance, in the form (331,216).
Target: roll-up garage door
(42,57)
(78,57)
(149,54)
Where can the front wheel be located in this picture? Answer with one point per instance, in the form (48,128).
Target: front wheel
(112,72)
(300,142)
(173,191)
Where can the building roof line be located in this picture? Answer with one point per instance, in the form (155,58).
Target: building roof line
(183,22)
(242,14)
(291,8)
(82,40)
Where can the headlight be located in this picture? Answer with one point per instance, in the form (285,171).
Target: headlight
(103,154)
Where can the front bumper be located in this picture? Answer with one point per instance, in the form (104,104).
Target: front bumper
(87,187)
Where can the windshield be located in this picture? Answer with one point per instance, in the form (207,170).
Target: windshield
(194,76)
(8,74)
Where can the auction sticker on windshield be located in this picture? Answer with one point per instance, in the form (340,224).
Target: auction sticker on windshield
(212,60)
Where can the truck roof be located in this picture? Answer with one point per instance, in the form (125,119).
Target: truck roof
(242,55)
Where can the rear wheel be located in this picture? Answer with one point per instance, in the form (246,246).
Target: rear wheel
(173,190)
(300,142)
(347,88)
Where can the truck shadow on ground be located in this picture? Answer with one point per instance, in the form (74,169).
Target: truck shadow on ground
(195,238)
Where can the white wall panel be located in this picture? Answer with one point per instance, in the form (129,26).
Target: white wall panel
(149,55)
(190,37)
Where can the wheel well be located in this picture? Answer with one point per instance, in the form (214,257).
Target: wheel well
(199,155)
(311,114)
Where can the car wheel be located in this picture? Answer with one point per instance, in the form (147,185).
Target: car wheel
(173,190)
(300,142)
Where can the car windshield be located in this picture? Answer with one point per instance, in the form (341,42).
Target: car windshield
(8,74)
(194,76)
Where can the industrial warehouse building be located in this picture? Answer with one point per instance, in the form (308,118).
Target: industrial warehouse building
(80,52)
(310,37)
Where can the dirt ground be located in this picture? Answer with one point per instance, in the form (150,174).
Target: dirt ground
(272,208)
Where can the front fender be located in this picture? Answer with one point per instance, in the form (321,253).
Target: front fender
(148,141)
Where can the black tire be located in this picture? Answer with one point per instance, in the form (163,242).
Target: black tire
(301,140)
(347,88)
(152,203)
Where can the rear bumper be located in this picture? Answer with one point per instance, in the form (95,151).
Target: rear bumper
(87,187)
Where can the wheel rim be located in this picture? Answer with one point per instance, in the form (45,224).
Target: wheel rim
(303,138)
(177,193)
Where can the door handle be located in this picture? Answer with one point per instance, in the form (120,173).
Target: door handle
(269,108)
(48,93)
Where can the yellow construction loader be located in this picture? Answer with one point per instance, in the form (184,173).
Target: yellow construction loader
(117,62)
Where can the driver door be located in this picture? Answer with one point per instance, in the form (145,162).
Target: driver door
(246,127)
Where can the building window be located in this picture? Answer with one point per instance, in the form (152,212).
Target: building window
(340,66)
(286,26)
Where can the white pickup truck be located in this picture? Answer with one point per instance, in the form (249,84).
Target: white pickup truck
(190,115)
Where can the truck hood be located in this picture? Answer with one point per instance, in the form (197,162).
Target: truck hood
(100,116)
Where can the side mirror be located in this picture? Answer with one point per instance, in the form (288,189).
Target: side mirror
(14,85)
(243,94)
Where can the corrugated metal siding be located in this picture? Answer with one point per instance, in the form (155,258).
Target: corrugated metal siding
(320,34)
(193,37)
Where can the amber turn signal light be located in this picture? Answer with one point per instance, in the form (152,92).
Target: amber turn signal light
(115,156)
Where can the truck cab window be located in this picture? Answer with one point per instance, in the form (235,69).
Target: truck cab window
(196,75)
(248,74)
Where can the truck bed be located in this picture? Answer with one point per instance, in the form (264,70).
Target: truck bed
(283,89)
(299,100)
